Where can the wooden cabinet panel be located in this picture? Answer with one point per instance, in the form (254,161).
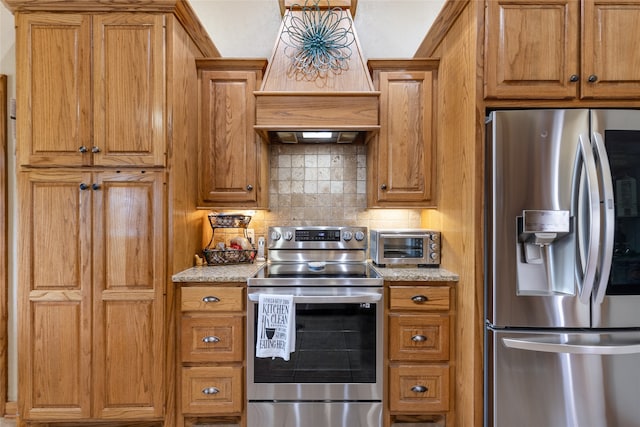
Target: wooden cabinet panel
(401,156)
(611,49)
(55,295)
(212,390)
(418,388)
(212,298)
(129,89)
(418,337)
(230,150)
(53,63)
(212,338)
(120,119)
(129,271)
(91,327)
(421,298)
(532,49)
(419,355)
(562,49)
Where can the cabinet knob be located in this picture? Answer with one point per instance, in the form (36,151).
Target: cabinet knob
(419,299)
(95,186)
(593,78)
(83,149)
(210,390)
(210,339)
(419,388)
(95,149)
(383,187)
(418,338)
(249,187)
(574,78)
(211,299)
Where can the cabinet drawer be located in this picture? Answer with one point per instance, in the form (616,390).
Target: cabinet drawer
(418,337)
(420,298)
(212,390)
(212,338)
(419,388)
(212,299)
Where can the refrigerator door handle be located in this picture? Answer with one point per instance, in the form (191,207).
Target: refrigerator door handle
(555,347)
(606,248)
(586,274)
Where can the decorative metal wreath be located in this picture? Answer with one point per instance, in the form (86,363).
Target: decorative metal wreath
(318,41)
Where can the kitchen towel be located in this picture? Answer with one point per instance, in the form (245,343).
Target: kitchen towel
(276,326)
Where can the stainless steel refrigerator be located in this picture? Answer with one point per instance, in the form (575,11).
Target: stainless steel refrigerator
(562,282)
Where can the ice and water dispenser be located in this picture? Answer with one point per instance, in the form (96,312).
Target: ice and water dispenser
(545,248)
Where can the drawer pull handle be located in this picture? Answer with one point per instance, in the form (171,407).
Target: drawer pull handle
(418,388)
(210,339)
(211,299)
(419,299)
(210,390)
(418,338)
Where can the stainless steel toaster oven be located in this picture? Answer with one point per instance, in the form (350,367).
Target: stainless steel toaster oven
(391,247)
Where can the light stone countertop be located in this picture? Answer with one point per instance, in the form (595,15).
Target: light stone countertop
(415,274)
(218,273)
(241,272)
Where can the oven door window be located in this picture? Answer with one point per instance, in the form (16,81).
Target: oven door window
(335,343)
(403,247)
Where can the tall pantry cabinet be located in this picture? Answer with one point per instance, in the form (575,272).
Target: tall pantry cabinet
(106,189)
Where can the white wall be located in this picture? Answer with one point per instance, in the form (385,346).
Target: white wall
(238,28)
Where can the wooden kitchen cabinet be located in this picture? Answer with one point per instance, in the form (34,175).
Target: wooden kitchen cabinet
(401,158)
(91,295)
(92,89)
(233,159)
(562,49)
(419,337)
(211,339)
(103,229)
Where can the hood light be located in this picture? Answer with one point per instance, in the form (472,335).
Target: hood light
(315,137)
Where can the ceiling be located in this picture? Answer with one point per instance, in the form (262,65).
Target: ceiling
(385,28)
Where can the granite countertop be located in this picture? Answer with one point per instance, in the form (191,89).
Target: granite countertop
(415,274)
(218,273)
(241,272)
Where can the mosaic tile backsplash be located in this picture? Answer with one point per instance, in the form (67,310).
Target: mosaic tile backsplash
(323,184)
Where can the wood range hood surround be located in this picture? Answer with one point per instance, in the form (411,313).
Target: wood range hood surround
(343,102)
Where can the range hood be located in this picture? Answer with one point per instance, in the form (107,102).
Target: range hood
(295,99)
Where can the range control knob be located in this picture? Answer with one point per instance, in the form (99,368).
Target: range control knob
(288,235)
(359,236)
(347,235)
(275,236)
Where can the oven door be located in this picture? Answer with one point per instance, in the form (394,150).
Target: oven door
(338,353)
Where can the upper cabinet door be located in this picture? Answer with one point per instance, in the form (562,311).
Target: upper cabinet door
(129,91)
(229,147)
(531,49)
(403,170)
(54,89)
(611,49)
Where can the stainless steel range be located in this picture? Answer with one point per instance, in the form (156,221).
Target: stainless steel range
(334,374)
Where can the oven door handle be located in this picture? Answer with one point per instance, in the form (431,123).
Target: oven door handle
(329,299)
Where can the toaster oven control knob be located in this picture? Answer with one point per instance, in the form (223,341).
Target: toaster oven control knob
(275,236)
(359,236)
(347,235)
(434,256)
(288,235)
(433,246)
(435,237)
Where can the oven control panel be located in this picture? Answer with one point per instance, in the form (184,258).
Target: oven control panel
(313,237)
